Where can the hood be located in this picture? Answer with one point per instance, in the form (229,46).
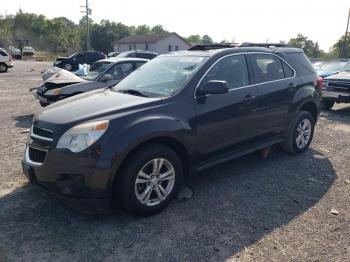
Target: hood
(61,58)
(63,76)
(93,105)
(83,87)
(344,75)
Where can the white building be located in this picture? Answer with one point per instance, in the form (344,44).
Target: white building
(159,43)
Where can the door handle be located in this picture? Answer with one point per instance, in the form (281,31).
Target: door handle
(249,99)
(291,86)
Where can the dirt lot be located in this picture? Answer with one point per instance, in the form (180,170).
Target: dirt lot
(248,209)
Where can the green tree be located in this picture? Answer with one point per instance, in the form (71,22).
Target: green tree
(142,29)
(341,48)
(158,29)
(206,40)
(105,34)
(310,48)
(195,39)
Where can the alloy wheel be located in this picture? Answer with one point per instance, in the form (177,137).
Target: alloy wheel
(154,182)
(68,67)
(303,133)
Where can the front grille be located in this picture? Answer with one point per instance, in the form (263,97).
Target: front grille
(42,132)
(339,86)
(36,155)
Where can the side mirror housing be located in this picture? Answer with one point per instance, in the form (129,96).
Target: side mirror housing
(214,87)
(106,77)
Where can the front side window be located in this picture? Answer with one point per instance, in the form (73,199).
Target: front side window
(232,69)
(120,71)
(169,48)
(162,76)
(267,68)
(2,53)
(96,69)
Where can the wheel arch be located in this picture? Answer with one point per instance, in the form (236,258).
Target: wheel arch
(310,107)
(168,141)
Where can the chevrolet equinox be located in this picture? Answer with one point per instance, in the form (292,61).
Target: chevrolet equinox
(136,142)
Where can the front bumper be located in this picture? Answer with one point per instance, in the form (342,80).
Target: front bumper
(81,182)
(336,96)
(9,64)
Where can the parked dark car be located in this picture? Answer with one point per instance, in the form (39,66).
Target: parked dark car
(102,74)
(138,54)
(113,54)
(182,112)
(72,62)
(336,88)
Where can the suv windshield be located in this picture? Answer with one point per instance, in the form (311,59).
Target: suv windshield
(163,76)
(96,69)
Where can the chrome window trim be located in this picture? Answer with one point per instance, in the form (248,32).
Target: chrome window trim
(33,163)
(245,53)
(41,137)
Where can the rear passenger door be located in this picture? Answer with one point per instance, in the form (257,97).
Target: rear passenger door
(276,84)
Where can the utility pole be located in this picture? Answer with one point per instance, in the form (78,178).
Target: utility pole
(87,12)
(345,47)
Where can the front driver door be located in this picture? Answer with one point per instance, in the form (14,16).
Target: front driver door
(225,122)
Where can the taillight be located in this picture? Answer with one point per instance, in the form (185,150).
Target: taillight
(319,82)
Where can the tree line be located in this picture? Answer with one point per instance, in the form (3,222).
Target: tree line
(61,35)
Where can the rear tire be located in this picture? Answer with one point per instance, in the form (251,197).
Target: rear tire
(327,104)
(300,134)
(3,68)
(149,180)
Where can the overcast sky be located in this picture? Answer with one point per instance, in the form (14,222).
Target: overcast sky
(247,20)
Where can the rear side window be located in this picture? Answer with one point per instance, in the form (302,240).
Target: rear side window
(232,69)
(267,68)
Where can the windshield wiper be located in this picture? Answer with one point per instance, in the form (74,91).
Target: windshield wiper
(132,92)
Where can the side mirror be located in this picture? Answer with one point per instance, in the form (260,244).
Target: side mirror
(214,87)
(106,77)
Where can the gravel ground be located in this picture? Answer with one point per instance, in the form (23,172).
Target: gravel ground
(248,209)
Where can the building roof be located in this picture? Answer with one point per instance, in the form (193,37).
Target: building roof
(147,38)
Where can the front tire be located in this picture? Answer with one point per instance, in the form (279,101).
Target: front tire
(68,67)
(300,134)
(149,180)
(3,68)
(327,104)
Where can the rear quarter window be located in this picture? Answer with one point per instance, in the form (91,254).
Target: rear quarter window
(300,63)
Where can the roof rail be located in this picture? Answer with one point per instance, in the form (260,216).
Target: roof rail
(267,45)
(212,46)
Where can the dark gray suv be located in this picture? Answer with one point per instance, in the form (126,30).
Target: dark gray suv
(182,112)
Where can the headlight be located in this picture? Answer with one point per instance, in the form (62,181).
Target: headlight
(54,92)
(82,136)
